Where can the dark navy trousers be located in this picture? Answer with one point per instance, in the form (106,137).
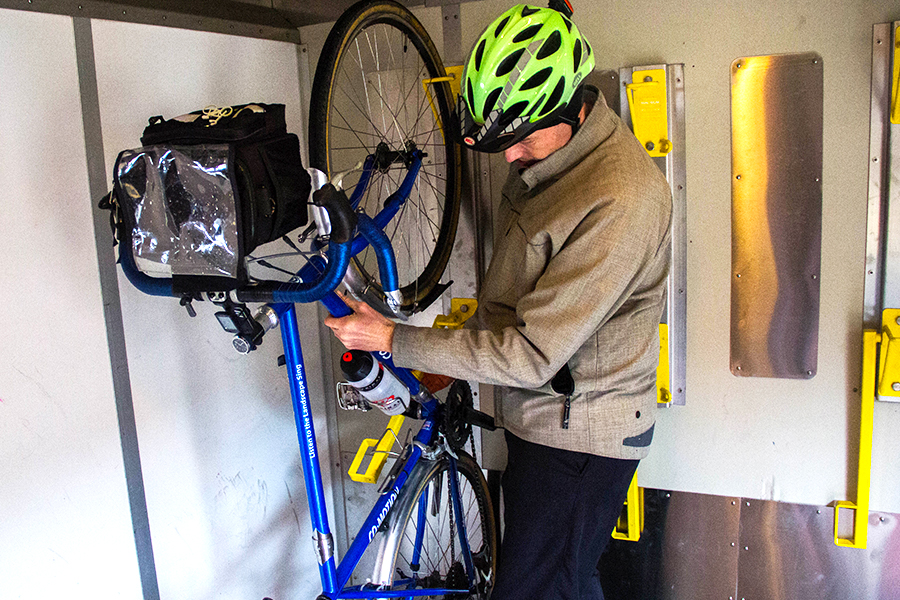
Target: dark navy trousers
(560,508)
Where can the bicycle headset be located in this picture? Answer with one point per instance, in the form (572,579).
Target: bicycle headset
(525,73)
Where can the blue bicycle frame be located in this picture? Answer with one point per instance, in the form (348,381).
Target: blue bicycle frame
(335,577)
(318,280)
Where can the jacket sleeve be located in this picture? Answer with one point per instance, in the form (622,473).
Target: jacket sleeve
(597,269)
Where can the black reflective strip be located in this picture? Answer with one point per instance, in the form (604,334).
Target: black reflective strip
(640,441)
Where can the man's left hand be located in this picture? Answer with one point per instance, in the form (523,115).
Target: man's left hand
(365,329)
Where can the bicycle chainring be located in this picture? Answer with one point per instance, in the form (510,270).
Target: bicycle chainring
(454,426)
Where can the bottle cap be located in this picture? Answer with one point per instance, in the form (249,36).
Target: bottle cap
(356,365)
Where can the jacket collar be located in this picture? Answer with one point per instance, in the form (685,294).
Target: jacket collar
(597,127)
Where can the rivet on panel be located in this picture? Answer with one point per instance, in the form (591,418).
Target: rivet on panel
(738,177)
(896,386)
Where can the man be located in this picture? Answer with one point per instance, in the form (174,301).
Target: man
(574,292)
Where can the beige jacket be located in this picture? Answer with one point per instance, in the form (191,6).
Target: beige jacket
(578,276)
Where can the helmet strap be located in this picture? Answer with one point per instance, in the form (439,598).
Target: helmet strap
(572,110)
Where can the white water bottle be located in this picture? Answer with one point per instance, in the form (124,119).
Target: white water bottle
(376,384)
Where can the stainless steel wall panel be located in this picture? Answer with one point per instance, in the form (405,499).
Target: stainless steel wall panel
(787,553)
(687,551)
(776,146)
(701,547)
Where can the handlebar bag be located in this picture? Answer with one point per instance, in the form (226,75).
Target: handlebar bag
(206,189)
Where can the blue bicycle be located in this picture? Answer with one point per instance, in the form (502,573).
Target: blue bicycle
(209,189)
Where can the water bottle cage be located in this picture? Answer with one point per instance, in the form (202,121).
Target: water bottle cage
(349,398)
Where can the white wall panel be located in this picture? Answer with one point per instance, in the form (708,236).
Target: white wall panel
(225,494)
(65,529)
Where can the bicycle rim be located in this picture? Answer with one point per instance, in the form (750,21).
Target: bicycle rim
(368,91)
(428,511)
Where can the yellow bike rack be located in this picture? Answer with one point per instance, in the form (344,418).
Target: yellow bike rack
(649,113)
(382,450)
(888,384)
(895,104)
(460,310)
(663,393)
(454,77)
(631,521)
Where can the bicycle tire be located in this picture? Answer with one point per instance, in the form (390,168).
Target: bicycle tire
(438,565)
(369,47)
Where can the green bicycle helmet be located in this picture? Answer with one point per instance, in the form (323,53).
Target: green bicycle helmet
(525,73)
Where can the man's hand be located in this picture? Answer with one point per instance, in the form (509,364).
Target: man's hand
(365,329)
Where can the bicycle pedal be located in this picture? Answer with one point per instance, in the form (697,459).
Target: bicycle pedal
(349,398)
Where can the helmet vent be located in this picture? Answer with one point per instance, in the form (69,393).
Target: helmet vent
(511,114)
(508,63)
(577,53)
(490,101)
(479,54)
(550,47)
(568,24)
(553,100)
(537,79)
(588,46)
(500,27)
(536,105)
(470,95)
(528,10)
(527,33)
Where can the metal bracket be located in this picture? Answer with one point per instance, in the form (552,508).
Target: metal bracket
(889,359)
(382,450)
(649,110)
(631,521)
(461,309)
(673,164)
(663,389)
(895,104)
(860,508)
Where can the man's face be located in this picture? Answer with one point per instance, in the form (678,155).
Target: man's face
(538,145)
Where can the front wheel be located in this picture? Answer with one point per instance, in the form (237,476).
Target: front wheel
(422,546)
(381,93)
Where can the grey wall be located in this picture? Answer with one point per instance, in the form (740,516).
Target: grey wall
(225,498)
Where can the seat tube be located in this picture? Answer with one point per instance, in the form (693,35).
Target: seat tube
(309,457)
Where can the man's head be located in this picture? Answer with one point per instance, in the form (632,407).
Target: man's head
(523,78)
